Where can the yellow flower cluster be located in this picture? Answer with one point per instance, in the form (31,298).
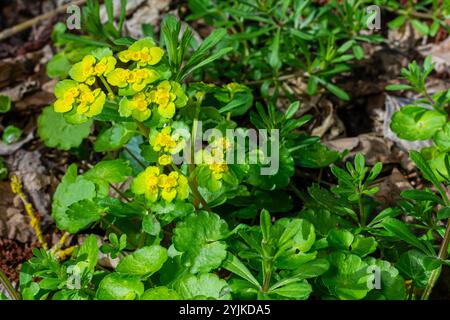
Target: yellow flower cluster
(143,57)
(71,94)
(136,79)
(216,159)
(166,143)
(89,67)
(136,107)
(168,95)
(154,185)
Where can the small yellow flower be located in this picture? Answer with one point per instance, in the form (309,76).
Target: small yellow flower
(136,107)
(163,140)
(153,184)
(118,77)
(70,94)
(165,159)
(88,68)
(218,169)
(135,80)
(171,185)
(168,96)
(90,102)
(144,52)
(146,183)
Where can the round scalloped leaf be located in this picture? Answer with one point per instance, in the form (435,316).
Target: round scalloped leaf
(54,130)
(417,123)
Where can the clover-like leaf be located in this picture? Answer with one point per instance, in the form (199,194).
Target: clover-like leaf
(203,286)
(144,261)
(417,123)
(71,190)
(160,293)
(56,132)
(199,238)
(117,286)
(348,276)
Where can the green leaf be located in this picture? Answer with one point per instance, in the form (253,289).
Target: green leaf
(11,134)
(392,283)
(274,58)
(110,171)
(421,195)
(312,85)
(265,224)
(58,66)
(340,239)
(308,270)
(278,179)
(88,252)
(71,190)
(234,265)
(397,22)
(400,230)
(348,276)
(427,172)
(292,109)
(417,123)
(151,225)
(299,291)
(442,138)
(57,133)
(398,87)
(80,215)
(144,261)
(5,103)
(338,92)
(117,286)
(199,238)
(362,246)
(160,293)
(203,286)
(315,156)
(444,213)
(358,52)
(416,266)
(420,26)
(115,137)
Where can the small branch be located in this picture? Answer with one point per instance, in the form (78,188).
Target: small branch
(30,23)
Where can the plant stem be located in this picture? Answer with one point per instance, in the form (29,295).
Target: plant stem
(8,286)
(442,254)
(443,250)
(361,211)
(108,88)
(135,158)
(119,192)
(194,190)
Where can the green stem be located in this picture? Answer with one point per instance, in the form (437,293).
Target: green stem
(8,286)
(443,250)
(194,190)
(107,86)
(135,158)
(361,211)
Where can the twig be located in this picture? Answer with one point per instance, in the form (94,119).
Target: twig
(29,23)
